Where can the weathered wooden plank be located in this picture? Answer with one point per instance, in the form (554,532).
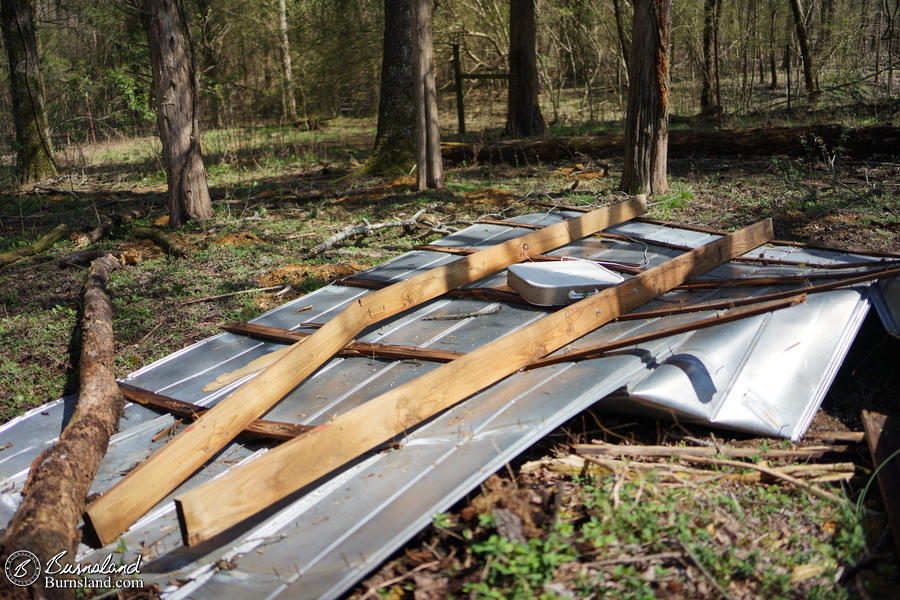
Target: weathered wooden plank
(883,437)
(145,486)
(301,461)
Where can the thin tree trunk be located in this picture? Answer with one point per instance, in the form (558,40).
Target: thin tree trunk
(46,522)
(428,139)
(708,100)
(289,99)
(35,160)
(809,71)
(524,118)
(624,44)
(177,103)
(646,124)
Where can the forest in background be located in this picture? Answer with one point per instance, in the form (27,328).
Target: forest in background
(96,66)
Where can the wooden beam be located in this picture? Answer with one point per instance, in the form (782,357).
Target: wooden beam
(140,490)
(286,469)
(883,436)
(354,348)
(273,430)
(633,340)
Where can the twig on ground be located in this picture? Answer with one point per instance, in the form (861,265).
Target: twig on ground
(825,495)
(254,290)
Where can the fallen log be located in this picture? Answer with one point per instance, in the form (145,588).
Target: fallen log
(143,487)
(84,258)
(169,245)
(766,141)
(33,248)
(301,461)
(46,522)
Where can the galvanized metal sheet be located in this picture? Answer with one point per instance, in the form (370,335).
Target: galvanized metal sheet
(764,374)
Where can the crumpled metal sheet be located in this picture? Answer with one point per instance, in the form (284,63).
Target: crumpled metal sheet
(764,374)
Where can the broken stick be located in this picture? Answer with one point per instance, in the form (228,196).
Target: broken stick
(142,488)
(297,463)
(46,521)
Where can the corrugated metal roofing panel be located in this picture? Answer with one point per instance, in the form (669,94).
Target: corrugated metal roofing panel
(764,374)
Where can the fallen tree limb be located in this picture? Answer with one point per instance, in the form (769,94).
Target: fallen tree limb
(273,430)
(84,258)
(169,245)
(36,247)
(364,230)
(301,461)
(84,239)
(142,488)
(46,521)
(860,142)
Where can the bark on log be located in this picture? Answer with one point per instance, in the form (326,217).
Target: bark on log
(46,522)
(164,241)
(862,142)
(37,247)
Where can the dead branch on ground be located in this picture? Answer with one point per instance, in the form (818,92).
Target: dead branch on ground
(46,521)
(368,228)
(163,240)
(37,247)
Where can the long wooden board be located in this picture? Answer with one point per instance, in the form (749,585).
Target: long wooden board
(284,470)
(140,490)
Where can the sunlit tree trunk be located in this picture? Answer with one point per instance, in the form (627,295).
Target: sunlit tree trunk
(646,124)
(177,108)
(289,99)
(523,117)
(395,139)
(430,172)
(35,159)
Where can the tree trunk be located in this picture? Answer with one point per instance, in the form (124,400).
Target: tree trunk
(395,139)
(524,118)
(622,31)
(46,522)
(646,124)
(708,93)
(35,160)
(809,71)
(177,104)
(428,139)
(289,100)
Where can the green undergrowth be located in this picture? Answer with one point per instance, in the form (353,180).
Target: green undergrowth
(635,536)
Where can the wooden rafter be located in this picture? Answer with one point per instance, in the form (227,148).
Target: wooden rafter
(297,463)
(140,490)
